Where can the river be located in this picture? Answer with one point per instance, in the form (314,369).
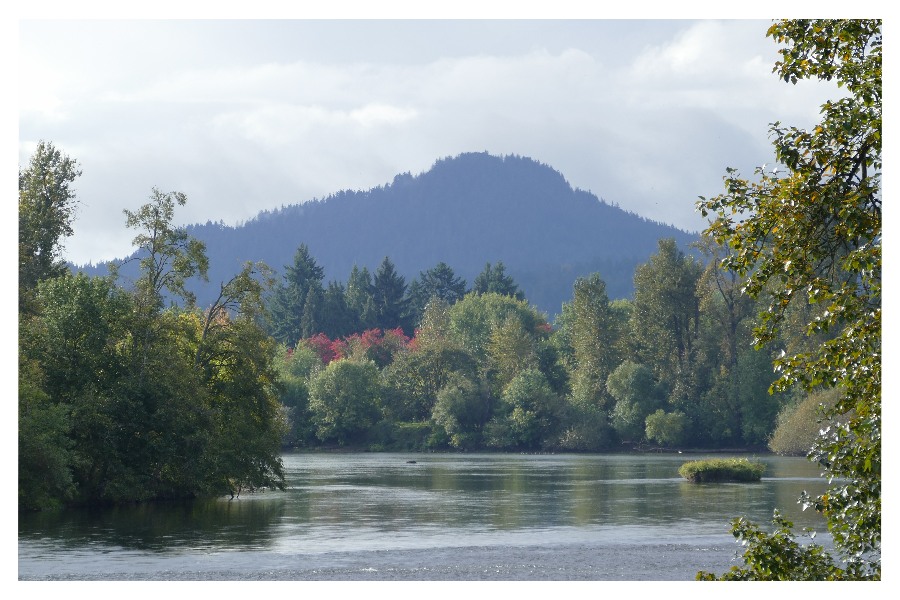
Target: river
(430,517)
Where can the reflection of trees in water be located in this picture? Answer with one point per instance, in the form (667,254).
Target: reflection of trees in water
(501,492)
(781,486)
(161,526)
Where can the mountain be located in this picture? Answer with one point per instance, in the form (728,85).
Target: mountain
(466,211)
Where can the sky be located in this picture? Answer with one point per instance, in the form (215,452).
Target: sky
(244,115)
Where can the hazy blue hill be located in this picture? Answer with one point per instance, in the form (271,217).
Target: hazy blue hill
(465,211)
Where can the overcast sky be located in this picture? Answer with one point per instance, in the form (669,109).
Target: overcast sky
(246,115)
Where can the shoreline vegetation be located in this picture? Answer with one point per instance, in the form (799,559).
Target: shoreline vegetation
(756,451)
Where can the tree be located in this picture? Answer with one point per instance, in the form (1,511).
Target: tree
(295,366)
(814,236)
(512,348)
(337,318)
(242,294)
(528,413)
(389,298)
(345,398)
(666,428)
(360,300)
(593,336)
(636,394)
(461,409)
(313,306)
(287,303)
(414,378)
(248,422)
(438,282)
(168,255)
(168,258)
(434,326)
(45,448)
(474,318)
(91,375)
(666,309)
(799,423)
(46,210)
(665,324)
(495,280)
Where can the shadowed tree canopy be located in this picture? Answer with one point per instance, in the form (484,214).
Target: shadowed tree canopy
(389,297)
(438,282)
(493,279)
(287,304)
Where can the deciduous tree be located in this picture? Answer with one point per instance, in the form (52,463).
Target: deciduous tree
(345,400)
(813,235)
(46,210)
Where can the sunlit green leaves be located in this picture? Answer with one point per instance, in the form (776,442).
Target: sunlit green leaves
(818,229)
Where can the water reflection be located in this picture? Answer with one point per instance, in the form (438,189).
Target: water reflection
(510,492)
(340,509)
(160,527)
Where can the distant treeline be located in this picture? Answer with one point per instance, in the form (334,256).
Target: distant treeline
(378,363)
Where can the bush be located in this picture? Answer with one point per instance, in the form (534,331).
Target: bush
(799,424)
(721,469)
(666,428)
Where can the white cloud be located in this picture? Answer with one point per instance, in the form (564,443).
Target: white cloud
(245,116)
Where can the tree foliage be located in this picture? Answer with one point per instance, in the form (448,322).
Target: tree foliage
(168,256)
(389,298)
(345,399)
(438,282)
(593,332)
(46,211)
(288,301)
(122,399)
(666,315)
(494,280)
(637,394)
(813,235)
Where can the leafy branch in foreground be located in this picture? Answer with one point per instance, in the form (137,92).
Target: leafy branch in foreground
(814,236)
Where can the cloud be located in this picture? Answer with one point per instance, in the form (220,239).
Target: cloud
(644,114)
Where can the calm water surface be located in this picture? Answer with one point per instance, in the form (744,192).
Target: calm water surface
(443,517)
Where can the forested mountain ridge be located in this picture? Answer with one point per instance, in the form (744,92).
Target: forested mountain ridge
(465,211)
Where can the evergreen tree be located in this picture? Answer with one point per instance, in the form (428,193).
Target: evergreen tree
(287,303)
(311,319)
(494,279)
(389,297)
(337,320)
(438,282)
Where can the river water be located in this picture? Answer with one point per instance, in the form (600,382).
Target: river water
(431,517)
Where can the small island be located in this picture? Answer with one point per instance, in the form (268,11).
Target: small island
(722,469)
